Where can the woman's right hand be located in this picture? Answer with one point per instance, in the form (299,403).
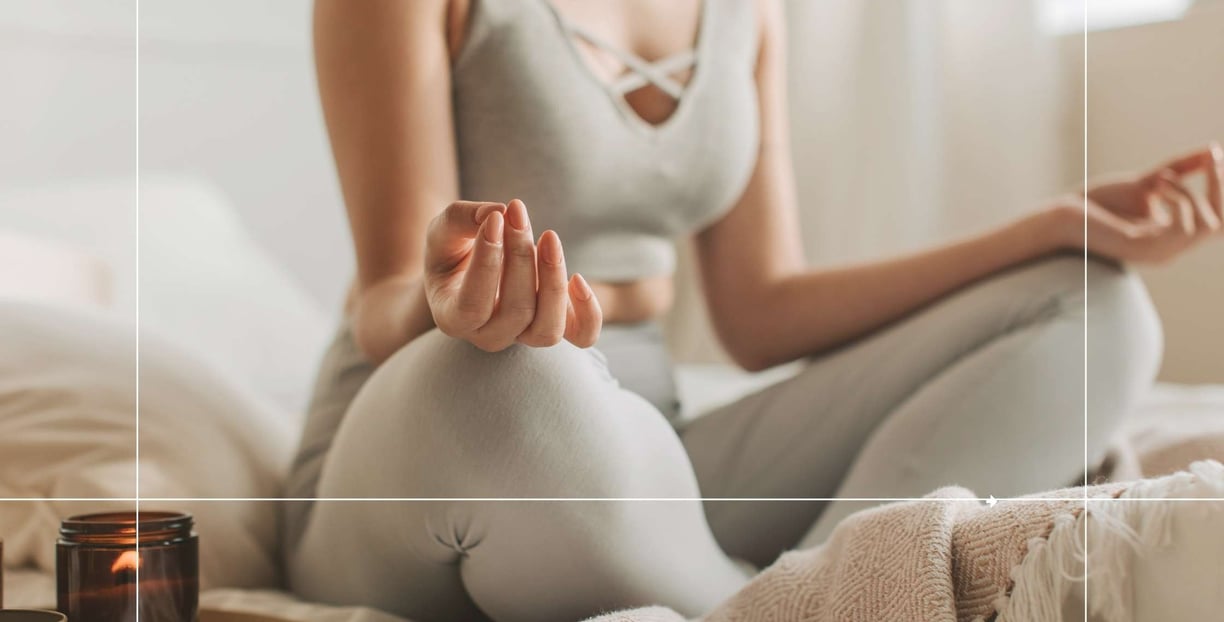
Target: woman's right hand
(1152,217)
(488,282)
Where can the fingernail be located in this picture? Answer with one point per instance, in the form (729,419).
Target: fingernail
(584,292)
(484,211)
(516,215)
(493,228)
(550,248)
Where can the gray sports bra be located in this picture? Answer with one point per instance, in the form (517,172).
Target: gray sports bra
(532,121)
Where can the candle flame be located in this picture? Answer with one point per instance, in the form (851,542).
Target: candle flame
(127,561)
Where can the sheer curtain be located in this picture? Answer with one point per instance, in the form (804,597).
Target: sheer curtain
(913,121)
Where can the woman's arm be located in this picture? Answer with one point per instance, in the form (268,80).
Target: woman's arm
(423,257)
(384,82)
(768,307)
(769,320)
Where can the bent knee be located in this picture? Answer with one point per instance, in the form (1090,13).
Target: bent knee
(455,386)
(1125,344)
(1108,299)
(522,421)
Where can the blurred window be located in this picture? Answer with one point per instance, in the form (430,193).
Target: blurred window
(1067,16)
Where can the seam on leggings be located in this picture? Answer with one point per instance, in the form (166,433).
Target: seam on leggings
(461,541)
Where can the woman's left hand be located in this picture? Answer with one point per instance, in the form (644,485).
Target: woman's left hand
(1156,216)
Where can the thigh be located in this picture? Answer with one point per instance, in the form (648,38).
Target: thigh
(797,439)
(342,373)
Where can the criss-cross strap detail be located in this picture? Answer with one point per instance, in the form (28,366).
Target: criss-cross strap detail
(643,72)
(665,67)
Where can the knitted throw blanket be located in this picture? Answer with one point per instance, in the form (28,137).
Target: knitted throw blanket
(953,558)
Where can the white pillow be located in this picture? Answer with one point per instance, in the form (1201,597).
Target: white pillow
(68,384)
(51,272)
(94,217)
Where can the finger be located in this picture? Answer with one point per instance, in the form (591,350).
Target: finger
(1172,240)
(450,232)
(1124,239)
(478,293)
(584,318)
(1209,160)
(1095,213)
(1195,214)
(1158,213)
(516,304)
(463,218)
(1182,208)
(548,326)
(1106,223)
(1203,218)
(1181,212)
(1196,160)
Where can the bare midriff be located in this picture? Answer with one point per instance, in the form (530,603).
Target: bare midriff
(627,302)
(634,301)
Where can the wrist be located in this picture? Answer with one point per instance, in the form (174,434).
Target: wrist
(387,314)
(1054,228)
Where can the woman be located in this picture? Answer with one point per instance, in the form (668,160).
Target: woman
(476,363)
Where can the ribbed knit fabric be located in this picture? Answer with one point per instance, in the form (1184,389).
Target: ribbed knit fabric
(952,558)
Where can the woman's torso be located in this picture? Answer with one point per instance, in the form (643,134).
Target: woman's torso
(538,116)
(618,165)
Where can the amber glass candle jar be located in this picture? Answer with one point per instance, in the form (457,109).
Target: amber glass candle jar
(103,561)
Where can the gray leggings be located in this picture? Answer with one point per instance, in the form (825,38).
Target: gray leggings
(984,389)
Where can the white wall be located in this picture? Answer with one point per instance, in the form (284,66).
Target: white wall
(227,92)
(1156,90)
(68,80)
(222,90)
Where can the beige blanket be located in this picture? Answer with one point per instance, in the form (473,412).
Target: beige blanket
(955,558)
(947,559)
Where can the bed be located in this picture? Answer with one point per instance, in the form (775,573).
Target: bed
(216,308)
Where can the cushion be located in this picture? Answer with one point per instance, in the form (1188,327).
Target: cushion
(94,218)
